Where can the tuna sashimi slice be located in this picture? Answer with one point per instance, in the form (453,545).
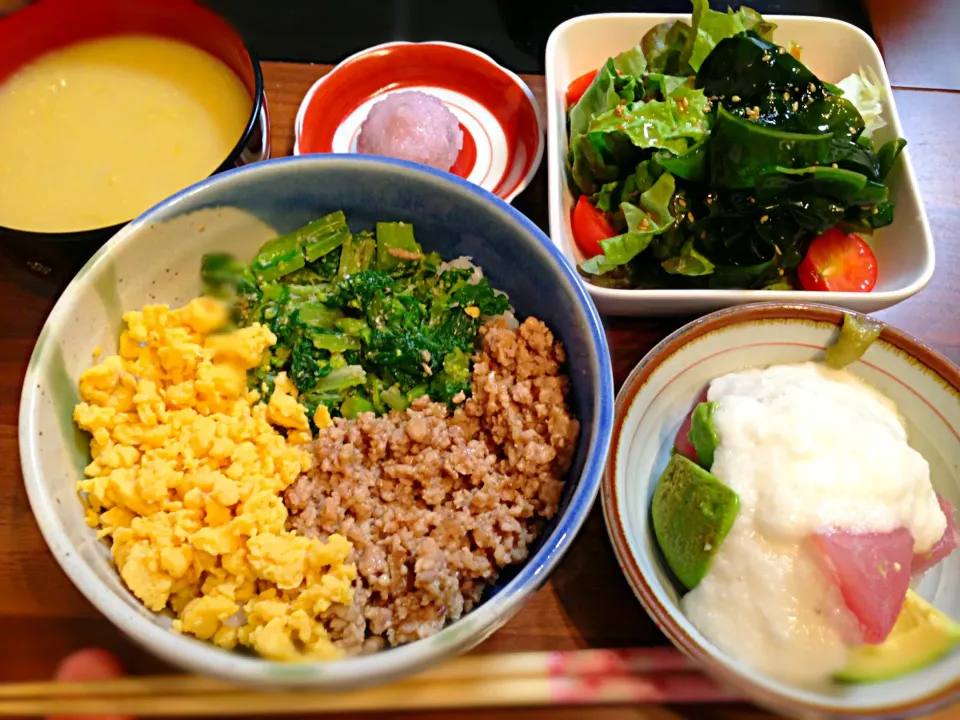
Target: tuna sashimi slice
(872,571)
(682,444)
(945,545)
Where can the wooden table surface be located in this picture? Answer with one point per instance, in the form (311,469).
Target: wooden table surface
(587,603)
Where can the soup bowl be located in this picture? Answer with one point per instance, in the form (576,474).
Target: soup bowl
(651,407)
(48,25)
(156,259)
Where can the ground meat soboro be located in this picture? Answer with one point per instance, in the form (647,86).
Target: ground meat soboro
(436,503)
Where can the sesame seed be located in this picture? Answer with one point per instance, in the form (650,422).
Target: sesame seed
(834,165)
(781,51)
(753,201)
(876,211)
(796,106)
(811,87)
(735,98)
(766,57)
(681,202)
(786,96)
(780,271)
(776,249)
(753,113)
(765,218)
(690,216)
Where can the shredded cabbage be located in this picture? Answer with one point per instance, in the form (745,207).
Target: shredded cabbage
(865,91)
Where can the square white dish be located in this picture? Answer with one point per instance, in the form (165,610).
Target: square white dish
(832,50)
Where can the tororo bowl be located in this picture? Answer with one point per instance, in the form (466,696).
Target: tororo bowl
(650,409)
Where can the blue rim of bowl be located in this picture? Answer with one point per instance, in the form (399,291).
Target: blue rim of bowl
(933,361)
(379,667)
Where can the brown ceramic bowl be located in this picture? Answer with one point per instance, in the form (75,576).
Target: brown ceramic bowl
(649,411)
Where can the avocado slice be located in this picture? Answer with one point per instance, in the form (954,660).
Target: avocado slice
(920,637)
(703,434)
(692,512)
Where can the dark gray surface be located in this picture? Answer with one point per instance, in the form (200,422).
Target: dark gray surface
(512,31)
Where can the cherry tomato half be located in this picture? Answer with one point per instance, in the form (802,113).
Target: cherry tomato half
(838,263)
(590,226)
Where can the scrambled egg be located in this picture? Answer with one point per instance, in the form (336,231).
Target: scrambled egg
(186,482)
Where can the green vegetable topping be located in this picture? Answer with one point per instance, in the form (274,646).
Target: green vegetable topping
(364,322)
(857,334)
(703,434)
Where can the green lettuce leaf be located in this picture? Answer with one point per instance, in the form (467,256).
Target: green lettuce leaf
(689,262)
(663,44)
(631,62)
(690,165)
(710,27)
(600,97)
(616,140)
(865,91)
(675,123)
(752,20)
(657,86)
(611,195)
(648,218)
(600,158)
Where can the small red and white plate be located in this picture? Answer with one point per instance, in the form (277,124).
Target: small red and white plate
(501,122)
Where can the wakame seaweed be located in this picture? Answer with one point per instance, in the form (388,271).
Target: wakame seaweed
(364,322)
(719,156)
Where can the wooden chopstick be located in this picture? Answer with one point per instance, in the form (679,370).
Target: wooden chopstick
(477,693)
(579,663)
(649,675)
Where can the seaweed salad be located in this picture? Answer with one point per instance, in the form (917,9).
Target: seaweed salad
(708,156)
